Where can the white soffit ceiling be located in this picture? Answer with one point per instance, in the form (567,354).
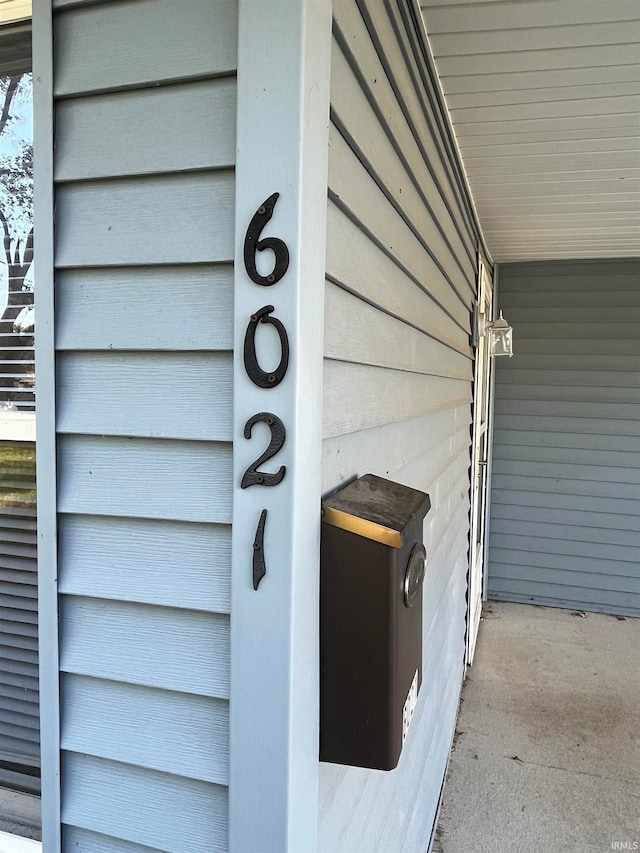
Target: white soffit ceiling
(14,10)
(544,98)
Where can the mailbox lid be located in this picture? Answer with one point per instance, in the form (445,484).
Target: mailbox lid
(376,508)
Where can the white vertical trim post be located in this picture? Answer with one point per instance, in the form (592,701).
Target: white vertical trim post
(489,469)
(46,424)
(284,49)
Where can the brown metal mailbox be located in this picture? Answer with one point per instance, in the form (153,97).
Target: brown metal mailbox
(372,566)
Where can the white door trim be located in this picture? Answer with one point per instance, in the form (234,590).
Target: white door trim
(284,51)
(479,456)
(489,469)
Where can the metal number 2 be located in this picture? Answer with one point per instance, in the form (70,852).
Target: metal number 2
(252,476)
(256,374)
(252,245)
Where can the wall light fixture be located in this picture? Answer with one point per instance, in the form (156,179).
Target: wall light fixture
(500,337)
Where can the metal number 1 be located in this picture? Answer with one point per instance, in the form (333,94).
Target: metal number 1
(259,565)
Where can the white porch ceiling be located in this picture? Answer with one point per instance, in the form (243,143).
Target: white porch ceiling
(14,10)
(544,98)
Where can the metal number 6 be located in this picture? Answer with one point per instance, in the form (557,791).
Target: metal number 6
(252,245)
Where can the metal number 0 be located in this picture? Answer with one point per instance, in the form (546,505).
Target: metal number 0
(256,374)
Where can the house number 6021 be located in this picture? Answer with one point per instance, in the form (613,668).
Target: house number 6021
(264,379)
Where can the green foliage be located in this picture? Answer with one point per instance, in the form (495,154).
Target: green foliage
(17,475)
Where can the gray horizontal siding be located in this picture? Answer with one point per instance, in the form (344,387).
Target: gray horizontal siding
(140,478)
(354,108)
(90,304)
(578,410)
(131,390)
(565,515)
(134,45)
(353,249)
(169,219)
(552,530)
(201,806)
(401,260)
(74,838)
(351,188)
(406,395)
(566,471)
(403,102)
(361,449)
(384,339)
(571,424)
(144,242)
(178,564)
(145,644)
(170,128)
(99,711)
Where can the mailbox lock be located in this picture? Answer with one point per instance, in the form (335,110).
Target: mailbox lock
(414,575)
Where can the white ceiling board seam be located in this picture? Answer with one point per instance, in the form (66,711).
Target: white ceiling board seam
(502,157)
(548,58)
(487,99)
(619,138)
(543,49)
(454,17)
(631,76)
(569,68)
(540,27)
(522,39)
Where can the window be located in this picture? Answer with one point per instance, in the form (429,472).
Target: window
(19,722)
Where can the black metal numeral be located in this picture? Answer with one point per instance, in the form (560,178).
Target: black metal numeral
(259,565)
(260,377)
(252,476)
(252,245)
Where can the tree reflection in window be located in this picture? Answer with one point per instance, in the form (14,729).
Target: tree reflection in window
(17,376)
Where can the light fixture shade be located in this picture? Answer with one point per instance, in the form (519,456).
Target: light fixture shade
(501,337)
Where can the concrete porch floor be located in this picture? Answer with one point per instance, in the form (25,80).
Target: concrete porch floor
(546,755)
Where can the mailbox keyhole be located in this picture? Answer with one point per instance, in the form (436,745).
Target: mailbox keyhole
(414,575)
